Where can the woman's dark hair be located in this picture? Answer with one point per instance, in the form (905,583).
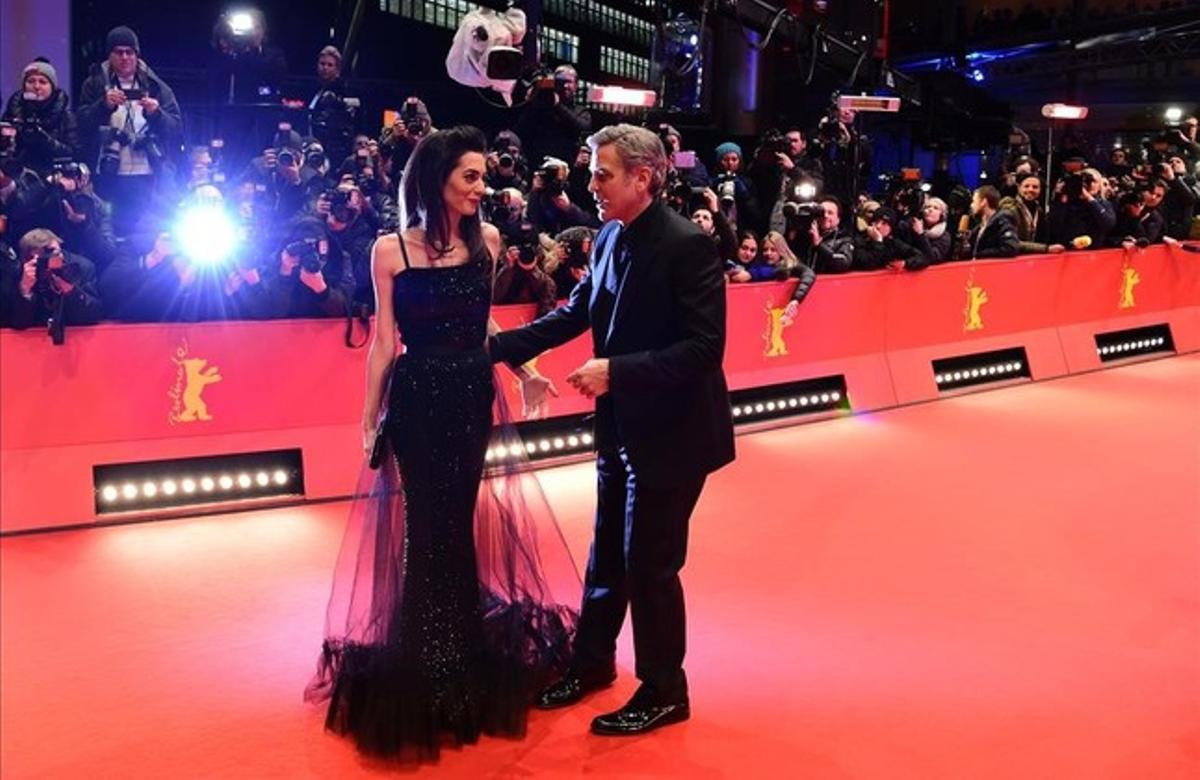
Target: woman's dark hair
(425,175)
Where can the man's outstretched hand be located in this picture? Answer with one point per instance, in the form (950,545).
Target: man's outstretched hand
(591,378)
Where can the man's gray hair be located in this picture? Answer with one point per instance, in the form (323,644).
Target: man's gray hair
(636,146)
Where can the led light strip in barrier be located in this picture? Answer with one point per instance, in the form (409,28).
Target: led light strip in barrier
(981,368)
(1136,342)
(186,482)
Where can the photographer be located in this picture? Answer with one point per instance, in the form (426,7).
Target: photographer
(22,193)
(1078,218)
(567,258)
(46,129)
(820,240)
(780,163)
(131,124)
(331,112)
(52,285)
(522,279)
(1131,228)
(72,210)
(1025,210)
(1179,202)
(929,232)
(879,248)
(993,234)
(714,224)
(351,227)
(845,153)
(733,189)
(689,167)
(159,277)
(308,279)
(506,210)
(551,124)
(549,208)
(286,186)
(505,165)
(398,141)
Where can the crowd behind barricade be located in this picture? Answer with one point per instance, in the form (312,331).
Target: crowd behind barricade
(104,214)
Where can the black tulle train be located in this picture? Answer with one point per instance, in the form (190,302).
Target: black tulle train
(443,622)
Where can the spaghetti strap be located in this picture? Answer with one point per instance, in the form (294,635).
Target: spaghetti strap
(403,249)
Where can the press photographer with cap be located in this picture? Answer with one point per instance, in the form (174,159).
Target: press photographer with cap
(131,125)
(39,111)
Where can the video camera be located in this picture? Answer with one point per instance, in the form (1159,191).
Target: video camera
(800,206)
(773,142)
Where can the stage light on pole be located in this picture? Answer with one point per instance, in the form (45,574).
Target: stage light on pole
(1053,111)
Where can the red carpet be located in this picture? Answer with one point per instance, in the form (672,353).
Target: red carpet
(1000,585)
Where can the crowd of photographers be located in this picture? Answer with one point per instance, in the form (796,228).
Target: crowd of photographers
(105,215)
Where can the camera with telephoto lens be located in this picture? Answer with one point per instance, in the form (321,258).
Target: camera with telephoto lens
(43,258)
(1075,183)
(286,158)
(9,165)
(308,252)
(497,208)
(507,160)
(112,141)
(773,143)
(726,187)
(553,174)
(314,156)
(340,205)
(410,115)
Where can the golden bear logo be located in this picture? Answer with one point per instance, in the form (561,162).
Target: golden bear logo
(1129,280)
(973,315)
(192,375)
(776,325)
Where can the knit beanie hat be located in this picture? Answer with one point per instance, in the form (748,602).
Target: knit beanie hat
(44,68)
(122,36)
(727,147)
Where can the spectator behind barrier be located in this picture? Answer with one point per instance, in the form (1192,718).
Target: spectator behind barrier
(50,284)
(993,233)
(879,248)
(131,125)
(715,225)
(829,249)
(1179,202)
(1078,218)
(1025,210)
(45,125)
(778,256)
(929,232)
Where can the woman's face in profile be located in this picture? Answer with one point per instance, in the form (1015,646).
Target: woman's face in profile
(464,187)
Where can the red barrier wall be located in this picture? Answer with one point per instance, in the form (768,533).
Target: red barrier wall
(123,393)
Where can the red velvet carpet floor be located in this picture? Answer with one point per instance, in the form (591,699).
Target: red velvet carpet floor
(999,585)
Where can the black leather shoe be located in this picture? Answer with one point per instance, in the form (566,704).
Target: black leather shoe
(643,713)
(573,687)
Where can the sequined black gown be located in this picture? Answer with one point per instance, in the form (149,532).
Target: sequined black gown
(442,624)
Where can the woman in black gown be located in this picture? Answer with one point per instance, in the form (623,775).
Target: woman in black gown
(442,624)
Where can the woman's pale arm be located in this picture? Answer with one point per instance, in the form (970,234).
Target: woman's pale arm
(383,343)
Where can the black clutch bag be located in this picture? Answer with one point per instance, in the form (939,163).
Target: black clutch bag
(378,447)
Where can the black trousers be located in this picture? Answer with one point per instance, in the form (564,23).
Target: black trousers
(639,548)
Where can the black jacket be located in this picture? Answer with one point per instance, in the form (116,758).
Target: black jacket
(166,124)
(834,255)
(1069,219)
(998,238)
(81,306)
(664,336)
(46,130)
(875,255)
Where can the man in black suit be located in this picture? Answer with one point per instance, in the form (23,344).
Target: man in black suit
(655,303)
